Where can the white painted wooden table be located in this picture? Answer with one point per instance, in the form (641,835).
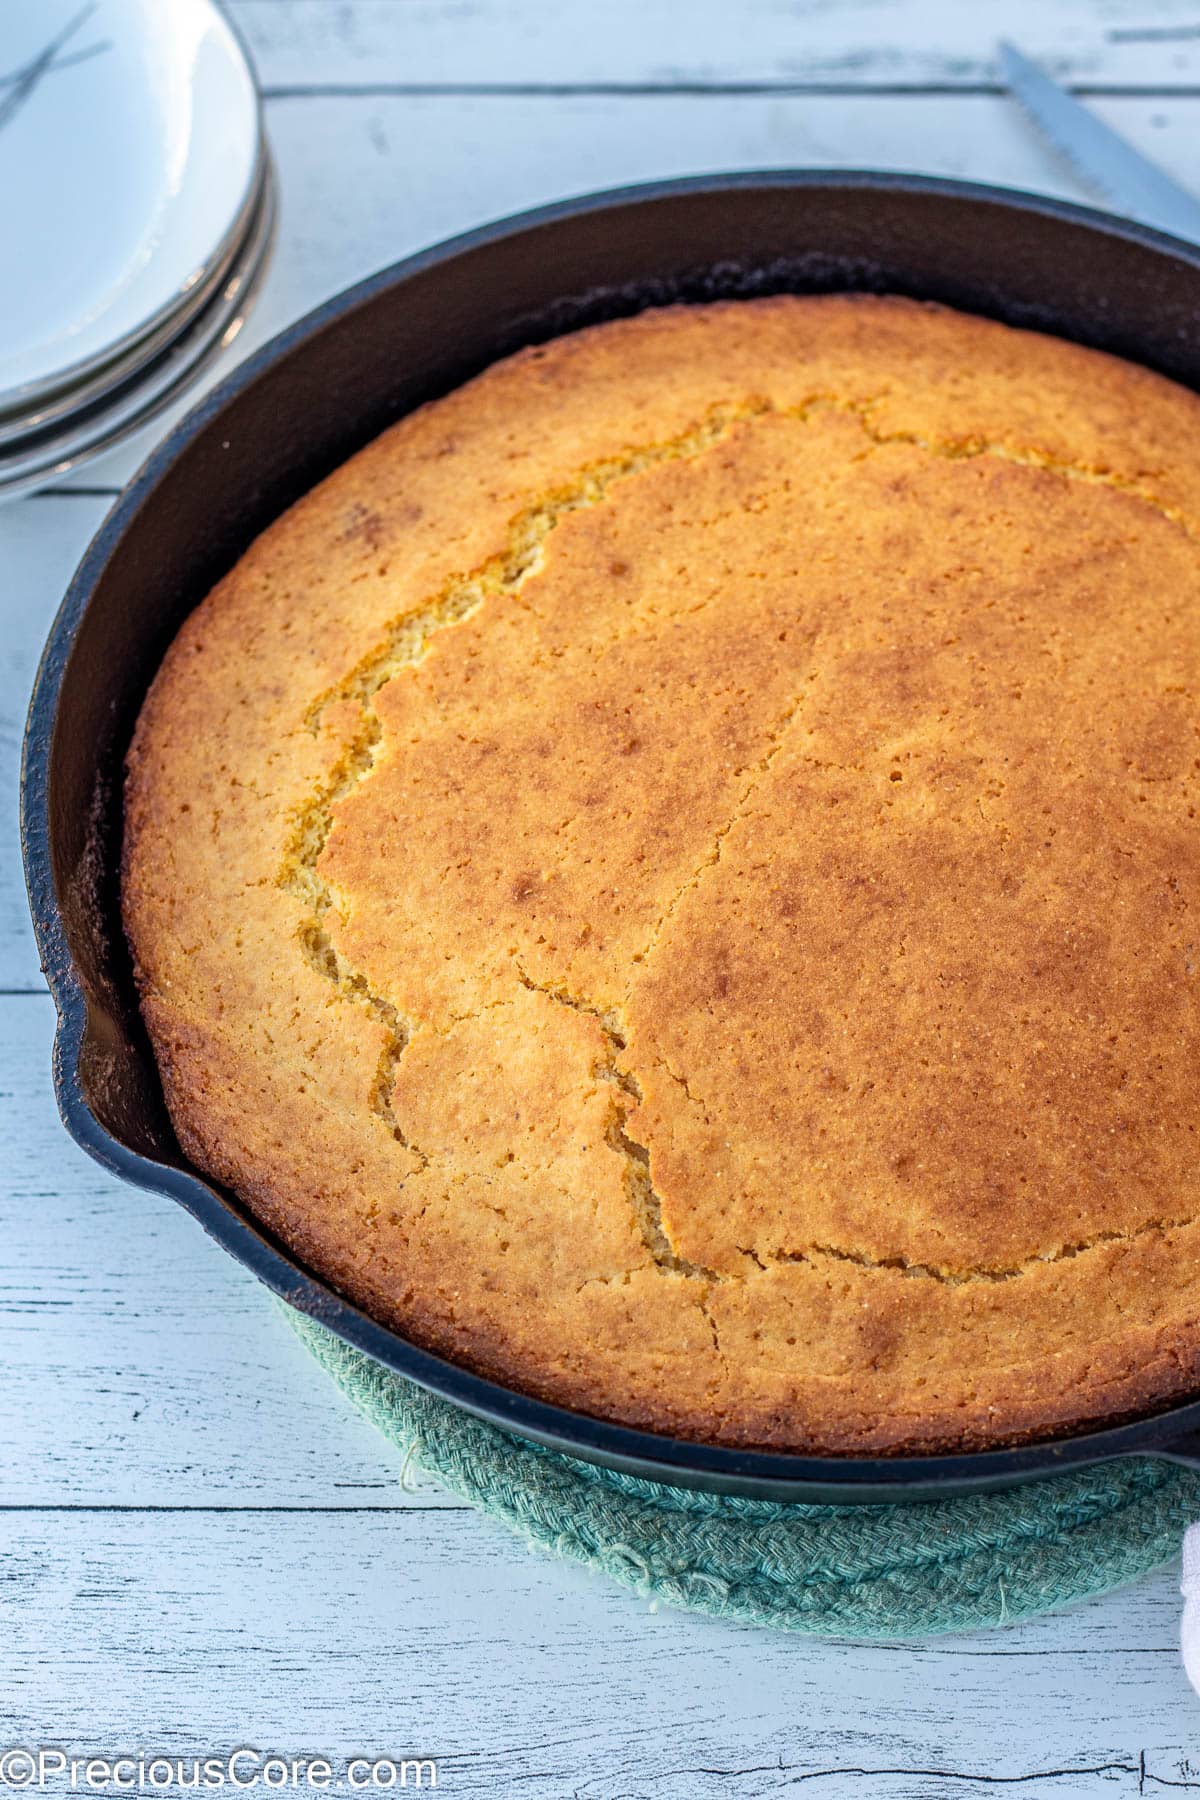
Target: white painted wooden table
(199,1546)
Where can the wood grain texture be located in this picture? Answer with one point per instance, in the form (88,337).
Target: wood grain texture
(199,1545)
(142,1365)
(657,43)
(432,1634)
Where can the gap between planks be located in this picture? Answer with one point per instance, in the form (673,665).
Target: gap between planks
(689,90)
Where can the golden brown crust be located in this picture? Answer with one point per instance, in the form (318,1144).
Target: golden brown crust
(669,877)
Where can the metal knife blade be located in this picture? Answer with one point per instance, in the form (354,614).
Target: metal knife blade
(1100,157)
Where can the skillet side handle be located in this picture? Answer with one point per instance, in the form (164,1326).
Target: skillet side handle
(1184,1449)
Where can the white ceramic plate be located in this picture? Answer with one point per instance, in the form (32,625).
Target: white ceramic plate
(129,157)
(25,466)
(104,379)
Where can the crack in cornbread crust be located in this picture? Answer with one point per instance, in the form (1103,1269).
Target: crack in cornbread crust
(643,1356)
(408,641)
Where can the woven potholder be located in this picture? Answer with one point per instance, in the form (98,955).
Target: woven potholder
(838,1571)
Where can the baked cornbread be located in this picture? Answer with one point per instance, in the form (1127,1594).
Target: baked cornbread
(670,877)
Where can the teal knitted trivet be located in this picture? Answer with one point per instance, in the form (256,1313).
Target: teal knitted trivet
(839,1571)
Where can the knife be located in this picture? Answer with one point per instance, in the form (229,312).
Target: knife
(1100,157)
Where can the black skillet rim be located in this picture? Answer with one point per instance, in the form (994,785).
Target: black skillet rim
(1174,1432)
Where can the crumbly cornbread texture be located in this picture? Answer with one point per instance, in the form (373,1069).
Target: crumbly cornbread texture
(672,877)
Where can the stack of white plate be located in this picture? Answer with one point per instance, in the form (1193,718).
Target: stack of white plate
(136,211)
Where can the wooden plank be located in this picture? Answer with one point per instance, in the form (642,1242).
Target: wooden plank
(650,42)
(425,1635)
(141,1363)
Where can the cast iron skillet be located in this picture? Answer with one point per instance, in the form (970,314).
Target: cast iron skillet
(324,387)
